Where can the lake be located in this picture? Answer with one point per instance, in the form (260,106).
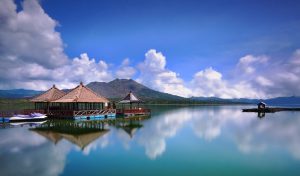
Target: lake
(176,140)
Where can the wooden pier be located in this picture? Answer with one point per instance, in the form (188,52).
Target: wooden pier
(270,110)
(133,112)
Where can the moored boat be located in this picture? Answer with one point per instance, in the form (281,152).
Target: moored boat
(33,117)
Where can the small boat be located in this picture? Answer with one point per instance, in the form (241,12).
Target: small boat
(33,117)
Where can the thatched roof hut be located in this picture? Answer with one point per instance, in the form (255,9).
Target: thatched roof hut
(57,103)
(50,95)
(130,98)
(81,94)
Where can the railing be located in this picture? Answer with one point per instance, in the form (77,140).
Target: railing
(94,112)
(60,113)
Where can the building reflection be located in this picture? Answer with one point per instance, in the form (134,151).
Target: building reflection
(79,133)
(261,114)
(130,127)
(246,131)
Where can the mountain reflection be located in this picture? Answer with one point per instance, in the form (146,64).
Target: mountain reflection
(250,133)
(55,139)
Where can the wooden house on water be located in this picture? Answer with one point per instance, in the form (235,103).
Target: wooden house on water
(80,103)
(134,106)
(44,101)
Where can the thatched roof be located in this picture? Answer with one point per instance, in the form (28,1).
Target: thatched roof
(82,94)
(50,95)
(81,140)
(52,136)
(130,98)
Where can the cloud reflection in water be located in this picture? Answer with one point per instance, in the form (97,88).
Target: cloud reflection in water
(25,153)
(38,156)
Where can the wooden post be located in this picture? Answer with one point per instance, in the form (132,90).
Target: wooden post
(47,108)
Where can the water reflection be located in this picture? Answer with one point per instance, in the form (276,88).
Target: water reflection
(157,129)
(130,127)
(281,130)
(222,125)
(25,153)
(80,134)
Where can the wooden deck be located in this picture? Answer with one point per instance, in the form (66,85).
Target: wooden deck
(270,110)
(133,112)
(84,123)
(82,113)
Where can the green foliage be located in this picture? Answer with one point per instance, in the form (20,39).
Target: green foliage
(15,104)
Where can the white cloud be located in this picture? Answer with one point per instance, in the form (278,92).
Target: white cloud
(29,35)
(125,71)
(153,73)
(32,54)
(249,63)
(84,69)
(254,77)
(271,77)
(209,83)
(38,77)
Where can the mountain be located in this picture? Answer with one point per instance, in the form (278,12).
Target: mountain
(293,100)
(223,100)
(18,93)
(114,90)
(119,88)
(284,101)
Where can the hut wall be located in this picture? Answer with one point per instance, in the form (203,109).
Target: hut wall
(80,106)
(40,105)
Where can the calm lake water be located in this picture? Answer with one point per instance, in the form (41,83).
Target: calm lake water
(196,140)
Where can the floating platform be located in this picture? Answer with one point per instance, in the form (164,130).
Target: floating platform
(270,110)
(134,112)
(82,114)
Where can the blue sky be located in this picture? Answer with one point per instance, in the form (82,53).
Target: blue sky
(231,46)
(191,34)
